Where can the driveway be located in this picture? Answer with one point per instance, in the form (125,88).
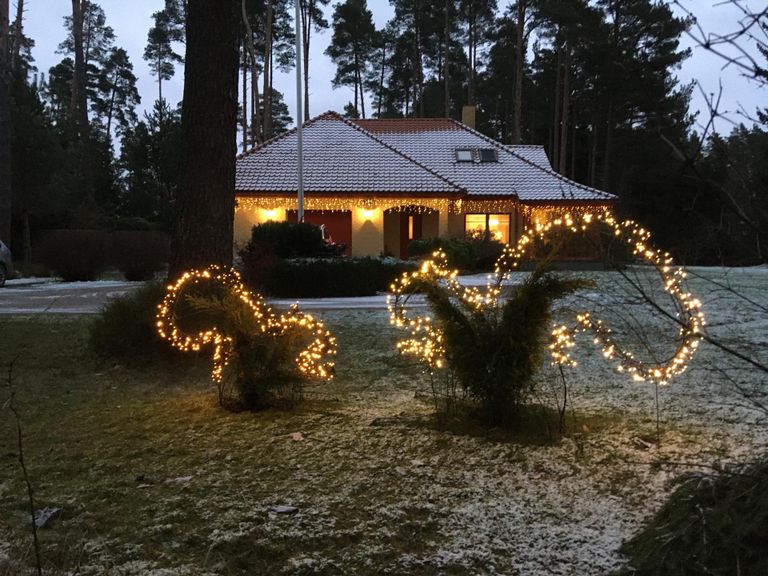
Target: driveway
(45,296)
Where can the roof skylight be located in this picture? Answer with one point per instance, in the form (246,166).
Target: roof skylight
(464,155)
(488,155)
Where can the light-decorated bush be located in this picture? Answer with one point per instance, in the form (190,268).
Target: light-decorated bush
(490,349)
(260,358)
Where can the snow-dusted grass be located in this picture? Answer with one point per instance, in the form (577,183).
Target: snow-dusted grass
(153,478)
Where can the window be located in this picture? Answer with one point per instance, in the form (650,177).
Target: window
(464,155)
(496,225)
(488,155)
(410,227)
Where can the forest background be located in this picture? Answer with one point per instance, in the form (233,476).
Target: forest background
(596,82)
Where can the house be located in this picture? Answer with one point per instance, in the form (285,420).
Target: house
(378,184)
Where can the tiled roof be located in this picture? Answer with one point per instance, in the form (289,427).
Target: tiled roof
(404,156)
(513,174)
(376,126)
(339,158)
(532,153)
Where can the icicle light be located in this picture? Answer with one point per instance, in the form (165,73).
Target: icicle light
(314,360)
(426,339)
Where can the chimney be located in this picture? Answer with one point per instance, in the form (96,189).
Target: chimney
(468,116)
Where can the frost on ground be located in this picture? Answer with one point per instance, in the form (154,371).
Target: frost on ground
(154,479)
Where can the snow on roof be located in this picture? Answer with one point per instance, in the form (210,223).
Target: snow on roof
(532,153)
(411,155)
(339,157)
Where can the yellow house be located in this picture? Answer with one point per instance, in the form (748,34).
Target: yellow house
(378,184)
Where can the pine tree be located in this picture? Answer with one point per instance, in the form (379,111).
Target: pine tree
(351,47)
(159,53)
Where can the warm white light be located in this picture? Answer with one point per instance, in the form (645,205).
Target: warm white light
(367,214)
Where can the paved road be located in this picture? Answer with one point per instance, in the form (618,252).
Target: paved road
(32,296)
(47,297)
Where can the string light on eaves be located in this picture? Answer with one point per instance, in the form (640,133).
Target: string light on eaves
(313,360)
(426,339)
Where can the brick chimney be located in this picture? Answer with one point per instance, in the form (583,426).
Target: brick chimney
(468,116)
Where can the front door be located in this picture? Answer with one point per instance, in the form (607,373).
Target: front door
(410,229)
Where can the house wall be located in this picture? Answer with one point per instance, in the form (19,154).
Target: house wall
(247,218)
(367,232)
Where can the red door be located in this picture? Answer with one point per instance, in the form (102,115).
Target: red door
(338,225)
(410,229)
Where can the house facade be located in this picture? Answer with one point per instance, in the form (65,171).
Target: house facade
(378,184)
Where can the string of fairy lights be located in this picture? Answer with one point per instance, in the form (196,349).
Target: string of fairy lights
(426,338)
(314,360)
(408,204)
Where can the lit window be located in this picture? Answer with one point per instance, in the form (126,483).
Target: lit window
(410,227)
(474,225)
(464,155)
(497,226)
(488,155)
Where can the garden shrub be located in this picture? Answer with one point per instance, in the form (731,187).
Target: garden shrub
(126,326)
(139,254)
(321,278)
(493,352)
(75,255)
(293,240)
(468,254)
(711,525)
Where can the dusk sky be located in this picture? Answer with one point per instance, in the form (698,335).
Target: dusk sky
(132,19)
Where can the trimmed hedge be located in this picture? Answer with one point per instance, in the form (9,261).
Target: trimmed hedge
(322,278)
(80,255)
(75,255)
(139,255)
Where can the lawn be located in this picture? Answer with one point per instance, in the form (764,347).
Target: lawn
(152,477)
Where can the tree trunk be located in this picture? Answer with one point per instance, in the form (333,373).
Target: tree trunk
(556,121)
(111,110)
(267,94)
(79,104)
(256,127)
(18,25)
(606,184)
(205,204)
(566,107)
(446,50)
(306,31)
(6,197)
(381,78)
(244,118)
(517,124)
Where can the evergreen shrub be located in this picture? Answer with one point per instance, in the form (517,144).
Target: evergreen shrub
(126,326)
(494,352)
(711,525)
(467,254)
(293,240)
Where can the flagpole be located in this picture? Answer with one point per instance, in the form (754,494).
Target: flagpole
(299,115)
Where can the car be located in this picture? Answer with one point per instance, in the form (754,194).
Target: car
(6,263)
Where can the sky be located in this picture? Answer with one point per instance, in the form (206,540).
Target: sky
(131,19)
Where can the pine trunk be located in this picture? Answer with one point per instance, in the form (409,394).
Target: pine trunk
(6,197)
(79,104)
(517,125)
(306,31)
(256,127)
(566,109)
(556,120)
(446,51)
(267,93)
(244,86)
(205,204)
(606,184)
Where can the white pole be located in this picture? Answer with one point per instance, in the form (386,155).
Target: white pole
(299,114)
